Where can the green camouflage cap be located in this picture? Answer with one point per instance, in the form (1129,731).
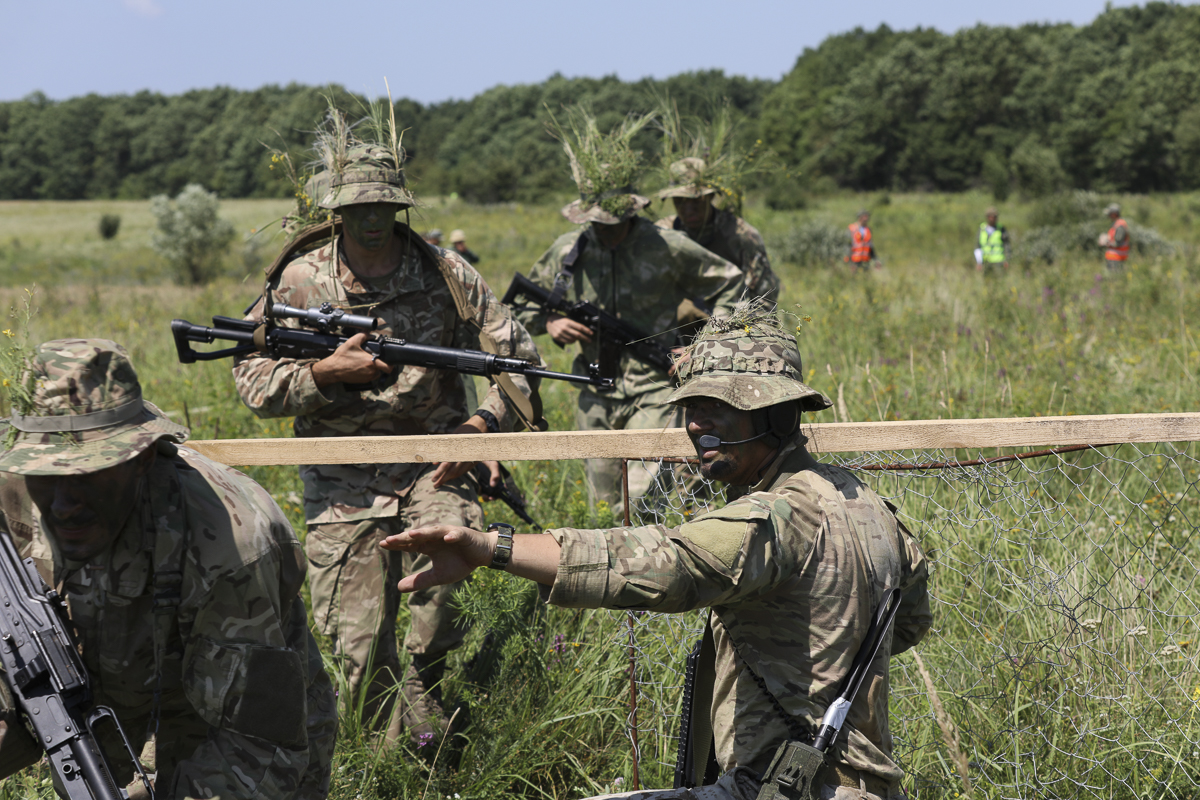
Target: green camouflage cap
(687,179)
(88,412)
(748,361)
(369,176)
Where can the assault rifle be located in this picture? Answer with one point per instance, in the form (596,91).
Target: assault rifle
(615,334)
(505,491)
(331,327)
(49,683)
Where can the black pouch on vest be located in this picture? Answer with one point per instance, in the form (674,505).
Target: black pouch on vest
(796,773)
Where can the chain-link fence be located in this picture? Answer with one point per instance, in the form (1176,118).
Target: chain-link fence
(1062,660)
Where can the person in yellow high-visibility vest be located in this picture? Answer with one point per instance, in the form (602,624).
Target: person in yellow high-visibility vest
(1116,241)
(862,250)
(992,250)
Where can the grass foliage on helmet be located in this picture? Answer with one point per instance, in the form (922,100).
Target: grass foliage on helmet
(747,359)
(604,166)
(700,157)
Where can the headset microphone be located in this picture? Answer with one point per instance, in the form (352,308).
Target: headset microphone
(710,442)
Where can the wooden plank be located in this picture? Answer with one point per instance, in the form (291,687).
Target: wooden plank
(823,438)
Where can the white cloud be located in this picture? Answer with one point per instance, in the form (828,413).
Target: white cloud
(147,8)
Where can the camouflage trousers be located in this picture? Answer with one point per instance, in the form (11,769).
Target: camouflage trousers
(355,600)
(645,411)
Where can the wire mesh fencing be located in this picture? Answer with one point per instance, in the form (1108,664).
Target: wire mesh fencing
(1062,660)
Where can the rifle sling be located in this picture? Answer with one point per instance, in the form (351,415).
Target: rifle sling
(566,275)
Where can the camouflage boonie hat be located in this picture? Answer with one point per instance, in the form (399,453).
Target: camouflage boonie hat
(687,180)
(371,175)
(748,361)
(1113,208)
(588,209)
(457,235)
(88,412)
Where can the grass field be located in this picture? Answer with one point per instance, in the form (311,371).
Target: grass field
(924,337)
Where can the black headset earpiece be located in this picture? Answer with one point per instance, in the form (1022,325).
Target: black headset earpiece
(784,419)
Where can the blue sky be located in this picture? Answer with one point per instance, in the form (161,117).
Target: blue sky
(438,50)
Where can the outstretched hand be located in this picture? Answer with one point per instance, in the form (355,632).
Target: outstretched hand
(455,553)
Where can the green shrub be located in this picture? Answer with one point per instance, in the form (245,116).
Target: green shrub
(109,225)
(811,243)
(190,235)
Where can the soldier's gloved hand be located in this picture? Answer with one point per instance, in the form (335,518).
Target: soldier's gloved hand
(451,470)
(454,553)
(349,364)
(566,331)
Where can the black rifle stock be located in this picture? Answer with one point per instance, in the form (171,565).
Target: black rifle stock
(505,491)
(49,684)
(279,342)
(615,334)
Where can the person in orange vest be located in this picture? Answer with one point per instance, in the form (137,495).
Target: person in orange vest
(862,251)
(1116,240)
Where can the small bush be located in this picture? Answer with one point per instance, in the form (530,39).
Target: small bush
(109,225)
(190,235)
(811,243)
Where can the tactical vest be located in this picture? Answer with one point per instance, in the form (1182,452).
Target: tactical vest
(860,250)
(528,409)
(1114,252)
(992,244)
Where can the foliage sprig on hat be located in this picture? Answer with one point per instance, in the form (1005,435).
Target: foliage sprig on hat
(700,157)
(604,166)
(16,378)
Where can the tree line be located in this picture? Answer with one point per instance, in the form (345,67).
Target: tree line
(1109,106)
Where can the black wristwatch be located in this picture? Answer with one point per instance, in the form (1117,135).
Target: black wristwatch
(504,545)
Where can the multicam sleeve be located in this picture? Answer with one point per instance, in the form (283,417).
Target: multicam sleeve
(249,686)
(282,387)
(724,556)
(494,322)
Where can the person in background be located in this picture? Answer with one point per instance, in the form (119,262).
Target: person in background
(1116,241)
(458,240)
(862,251)
(434,237)
(992,251)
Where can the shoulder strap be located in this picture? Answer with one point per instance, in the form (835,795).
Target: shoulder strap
(170,545)
(566,275)
(696,769)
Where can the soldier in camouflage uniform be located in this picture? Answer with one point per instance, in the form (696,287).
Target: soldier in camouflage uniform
(426,295)
(640,273)
(722,232)
(168,558)
(792,568)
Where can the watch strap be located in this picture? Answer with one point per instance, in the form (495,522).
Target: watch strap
(504,545)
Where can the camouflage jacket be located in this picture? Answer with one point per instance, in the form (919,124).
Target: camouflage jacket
(246,708)
(739,242)
(643,281)
(793,571)
(416,304)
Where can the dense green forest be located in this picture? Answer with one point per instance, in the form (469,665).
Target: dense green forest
(1110,106)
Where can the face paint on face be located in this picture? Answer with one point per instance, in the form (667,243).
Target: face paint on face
(609,236)
(370,225)
(84,514)
(737,464)
(694,212)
